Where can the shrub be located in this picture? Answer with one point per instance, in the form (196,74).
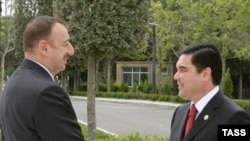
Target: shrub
(244,103)
(145,87)
(228,84)
(83,87)
(135,137)
(102,87)
(115,87)
(168,86)
(135,88)
(123,87)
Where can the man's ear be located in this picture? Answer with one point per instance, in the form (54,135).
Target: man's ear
(206,73)
(43,47)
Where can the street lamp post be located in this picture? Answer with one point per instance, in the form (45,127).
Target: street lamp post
(153,57)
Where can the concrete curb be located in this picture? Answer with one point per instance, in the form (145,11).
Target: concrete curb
(133,101)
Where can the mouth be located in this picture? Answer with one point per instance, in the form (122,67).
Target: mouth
(65,59)
(179,85)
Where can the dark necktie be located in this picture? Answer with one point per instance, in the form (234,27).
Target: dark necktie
(190,119)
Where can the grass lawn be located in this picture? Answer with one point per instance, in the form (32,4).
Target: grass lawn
(99,134)
(102,136)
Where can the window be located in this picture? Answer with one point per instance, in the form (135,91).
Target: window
(134,75)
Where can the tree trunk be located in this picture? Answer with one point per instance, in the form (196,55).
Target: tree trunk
(160,79)
(8,26)
(77,80)
(64,81)
(96,74)
(240,86)
(2,77)
(91,97)
(6,51)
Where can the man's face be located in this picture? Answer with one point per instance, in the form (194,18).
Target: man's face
(188,79)
(60,48)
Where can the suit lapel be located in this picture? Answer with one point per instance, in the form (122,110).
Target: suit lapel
(205,116)
(181,121)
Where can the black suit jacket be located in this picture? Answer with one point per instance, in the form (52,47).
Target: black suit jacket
(35,108)
(219,110)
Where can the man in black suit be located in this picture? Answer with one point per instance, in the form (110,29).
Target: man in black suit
(33,106)
(199,72)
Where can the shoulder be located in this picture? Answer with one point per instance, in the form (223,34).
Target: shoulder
(230,104)
(182,109)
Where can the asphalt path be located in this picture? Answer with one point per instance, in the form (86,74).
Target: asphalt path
(122,117)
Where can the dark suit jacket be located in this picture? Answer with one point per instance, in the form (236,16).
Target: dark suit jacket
(35,108)
(219,110)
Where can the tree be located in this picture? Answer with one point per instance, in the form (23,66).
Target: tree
(228,84)
(223,23)
(6,38)
(24,11)
(107,27)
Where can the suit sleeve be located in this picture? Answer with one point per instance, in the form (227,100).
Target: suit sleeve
(55,117)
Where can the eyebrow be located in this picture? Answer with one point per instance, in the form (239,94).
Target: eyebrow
(182,67)
(66,41)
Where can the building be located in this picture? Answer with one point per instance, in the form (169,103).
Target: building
(135,72)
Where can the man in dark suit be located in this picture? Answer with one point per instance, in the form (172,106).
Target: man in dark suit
(34,107)
(199,72)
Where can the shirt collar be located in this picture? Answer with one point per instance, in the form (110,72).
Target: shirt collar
(45,68)
(205,99)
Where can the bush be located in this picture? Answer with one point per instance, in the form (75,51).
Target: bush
(102,87)
(115,87)
(244,103)
(168,86)
(145,87)
(135,88)
(123,87)
(135,137)
(83,87)
(228,84)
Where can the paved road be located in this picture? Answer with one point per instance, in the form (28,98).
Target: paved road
(125,117)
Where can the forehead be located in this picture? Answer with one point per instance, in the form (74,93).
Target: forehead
(184,61)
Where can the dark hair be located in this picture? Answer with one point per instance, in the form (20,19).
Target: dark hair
(37,29)
(206,55)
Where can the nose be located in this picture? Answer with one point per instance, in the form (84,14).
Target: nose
(176,76)
(71,50)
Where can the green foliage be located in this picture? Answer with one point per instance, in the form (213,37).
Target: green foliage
(83,87)
(228,83)
(129,95)
(45,7)
(123,87)
(168,86)
(115,87)
(20,22)
(102,136)
(135,137)
(244,103)
(135,88)
(145,86)
(102,87)
(223,23)
(108,26)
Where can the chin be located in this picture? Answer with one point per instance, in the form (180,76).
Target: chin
(63,68)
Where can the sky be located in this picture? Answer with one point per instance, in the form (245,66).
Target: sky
(4,10)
